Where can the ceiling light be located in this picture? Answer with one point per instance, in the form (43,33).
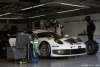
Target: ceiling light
(31,17)
(68,10)
(42,15)
(32,7)
(8,18)
(37,16)
(1,15)
(34,17)
(27,8)
(72,5)
(7,13)
(38,5)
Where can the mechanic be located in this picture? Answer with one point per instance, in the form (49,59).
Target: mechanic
(58,27)
(4,42)
(7,30)
(14,28)
(47,24)
(90,27)
(54,24)
(7,34)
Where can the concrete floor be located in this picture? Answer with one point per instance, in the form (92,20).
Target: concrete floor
(79,61)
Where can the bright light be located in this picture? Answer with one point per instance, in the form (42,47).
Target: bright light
(68,10)
(8,18)
(27,8)
(42,15)
(32,7)
(72,5)
(51,3)
(1,15)
(31,17)
(36,16)
(7,13)
(38,5)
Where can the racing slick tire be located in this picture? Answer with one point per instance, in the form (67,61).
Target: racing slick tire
(45,50)
(92,47)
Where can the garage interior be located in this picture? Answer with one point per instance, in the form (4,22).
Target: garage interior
(70,13)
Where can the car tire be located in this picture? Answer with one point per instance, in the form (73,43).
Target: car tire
(92,47)
(45,50)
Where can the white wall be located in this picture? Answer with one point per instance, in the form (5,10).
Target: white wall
(73,29)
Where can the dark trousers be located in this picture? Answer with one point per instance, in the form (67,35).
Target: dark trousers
(90,36)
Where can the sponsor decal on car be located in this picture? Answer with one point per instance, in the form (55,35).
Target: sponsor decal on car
(78,43)
(55,46)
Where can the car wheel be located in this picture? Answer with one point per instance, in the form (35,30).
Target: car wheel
(45,50)
(92,47)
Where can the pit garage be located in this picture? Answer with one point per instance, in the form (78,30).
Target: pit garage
(49,33)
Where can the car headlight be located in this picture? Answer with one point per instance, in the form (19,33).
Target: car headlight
(79,40)
(58,41)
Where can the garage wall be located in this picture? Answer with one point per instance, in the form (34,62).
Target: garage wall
(21,26)
(76,25)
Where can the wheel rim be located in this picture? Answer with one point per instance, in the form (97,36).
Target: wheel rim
(89,47)
(44,50)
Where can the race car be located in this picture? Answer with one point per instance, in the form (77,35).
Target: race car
(53,45)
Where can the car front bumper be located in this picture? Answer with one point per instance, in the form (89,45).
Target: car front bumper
(68,52)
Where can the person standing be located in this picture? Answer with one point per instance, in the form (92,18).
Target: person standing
(90,27)
(14,28)
(47,24)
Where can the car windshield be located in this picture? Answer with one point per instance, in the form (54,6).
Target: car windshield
(55,35)
(44,34)
(48,34)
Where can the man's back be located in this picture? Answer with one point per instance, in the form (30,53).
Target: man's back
(14,29)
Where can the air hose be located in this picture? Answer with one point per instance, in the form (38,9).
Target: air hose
(32,58)
(34,55)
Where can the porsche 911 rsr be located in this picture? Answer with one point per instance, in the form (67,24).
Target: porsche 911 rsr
(53,45)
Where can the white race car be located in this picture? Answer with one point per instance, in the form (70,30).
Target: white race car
(53,45)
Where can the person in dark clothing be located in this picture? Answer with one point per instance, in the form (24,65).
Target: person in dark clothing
(90,27)
(4,42)
(7,31)
(14,28)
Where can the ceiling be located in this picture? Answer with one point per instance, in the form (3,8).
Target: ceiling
(47,10)
(9,1)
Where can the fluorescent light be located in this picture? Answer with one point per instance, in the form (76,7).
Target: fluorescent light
(31,17)
(72,5)
(32,7)
(7,13)
(26,8)
(38,5)
(51,3)
(68,10)
(1,15)
(8,18)
(42,15)
(36,16)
